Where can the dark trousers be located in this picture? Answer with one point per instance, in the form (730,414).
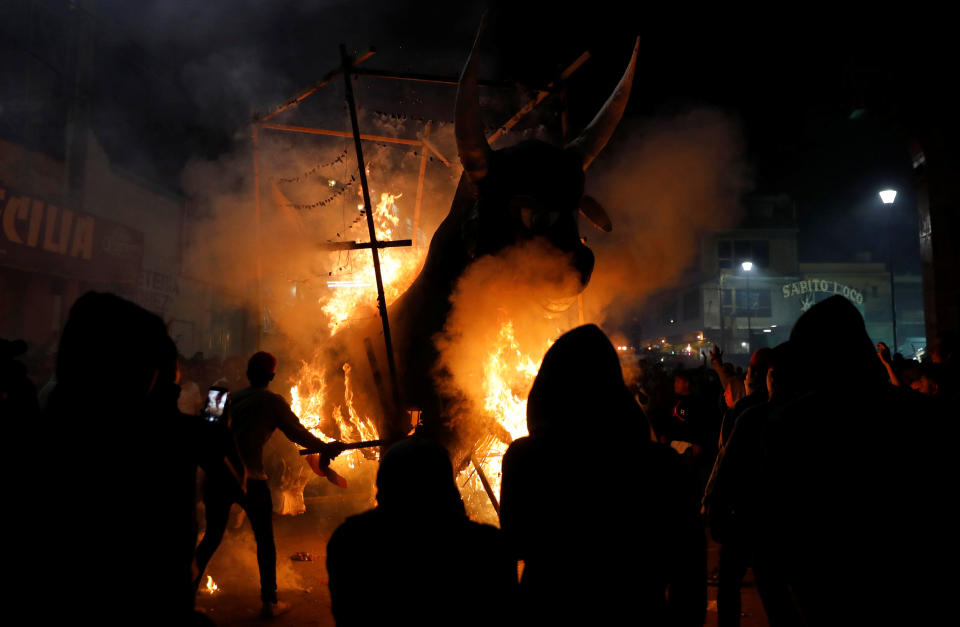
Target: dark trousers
(734,561)
(259,508)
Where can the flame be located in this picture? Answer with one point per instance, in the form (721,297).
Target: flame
(398,268)
(346,426)
(212,588)
(355,295)
(508,374)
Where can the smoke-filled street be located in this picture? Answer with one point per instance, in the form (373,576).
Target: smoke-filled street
(476,313)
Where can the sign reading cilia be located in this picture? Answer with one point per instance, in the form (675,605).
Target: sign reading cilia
(812,286)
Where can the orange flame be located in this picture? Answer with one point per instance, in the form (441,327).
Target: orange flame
(398,268)
(508,374)
(211,588)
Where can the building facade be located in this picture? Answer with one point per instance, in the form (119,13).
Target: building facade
(744,306)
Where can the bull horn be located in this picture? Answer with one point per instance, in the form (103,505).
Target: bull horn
(593,138)
(471,141)
(595,213)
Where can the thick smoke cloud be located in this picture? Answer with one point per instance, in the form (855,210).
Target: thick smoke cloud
(665,182)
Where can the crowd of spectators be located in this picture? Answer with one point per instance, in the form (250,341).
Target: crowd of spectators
(825,467)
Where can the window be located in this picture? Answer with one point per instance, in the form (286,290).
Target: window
(755,303)
(725,254)
(730,254)
(760,250)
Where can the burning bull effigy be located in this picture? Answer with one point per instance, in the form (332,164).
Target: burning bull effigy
(509,252)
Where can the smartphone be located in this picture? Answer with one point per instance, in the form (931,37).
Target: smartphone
(216,404)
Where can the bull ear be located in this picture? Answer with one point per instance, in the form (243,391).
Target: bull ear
(593,138)
(471,141)
(595,213)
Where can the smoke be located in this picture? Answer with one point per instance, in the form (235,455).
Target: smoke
(663,186)
(668,183)
(310,195)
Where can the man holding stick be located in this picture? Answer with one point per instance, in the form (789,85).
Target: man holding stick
(255,413)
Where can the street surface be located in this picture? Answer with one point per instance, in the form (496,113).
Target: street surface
(303,584)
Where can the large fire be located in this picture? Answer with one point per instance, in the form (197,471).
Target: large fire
(348,299)
(507,372)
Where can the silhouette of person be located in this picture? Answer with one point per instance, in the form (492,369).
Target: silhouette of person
(606,521)
(736,496)
(857,516)
(255,413)
(125,468)
(417,559)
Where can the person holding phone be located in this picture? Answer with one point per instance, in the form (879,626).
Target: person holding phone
(255,413)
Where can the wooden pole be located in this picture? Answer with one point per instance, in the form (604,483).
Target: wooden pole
(486,484)
(540,97)
(368,210)
(374,138)
(416,207)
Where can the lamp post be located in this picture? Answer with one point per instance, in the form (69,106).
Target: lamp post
(747,267)
(887,196)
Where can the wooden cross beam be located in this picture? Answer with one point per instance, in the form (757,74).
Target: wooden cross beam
(360,245)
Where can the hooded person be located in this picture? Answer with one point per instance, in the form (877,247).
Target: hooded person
(855,515)
(417,559)
(605,520)
(124,461)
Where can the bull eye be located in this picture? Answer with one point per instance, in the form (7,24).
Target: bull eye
(526,209)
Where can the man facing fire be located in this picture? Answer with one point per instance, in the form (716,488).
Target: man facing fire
(255,414)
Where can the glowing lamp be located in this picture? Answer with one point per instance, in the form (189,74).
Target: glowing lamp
(888,196)
(747,266)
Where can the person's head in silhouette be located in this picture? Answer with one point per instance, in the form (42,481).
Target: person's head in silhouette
(756,379)
(682,384)
(580,381)
(261,369)
(832,348)
(111,340)
(415,480)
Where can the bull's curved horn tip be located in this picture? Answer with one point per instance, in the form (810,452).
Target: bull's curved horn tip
(596,135)
(472,143)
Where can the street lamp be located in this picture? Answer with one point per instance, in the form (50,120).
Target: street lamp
(747,267)
(887,196)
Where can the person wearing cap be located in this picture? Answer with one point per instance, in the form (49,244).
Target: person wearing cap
(255,413)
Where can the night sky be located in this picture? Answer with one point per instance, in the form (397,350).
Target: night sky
(176,80)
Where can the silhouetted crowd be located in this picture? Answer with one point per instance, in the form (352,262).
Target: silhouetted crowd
(826,468)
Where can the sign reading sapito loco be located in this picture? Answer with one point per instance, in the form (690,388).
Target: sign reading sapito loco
(811,286)
(40,237)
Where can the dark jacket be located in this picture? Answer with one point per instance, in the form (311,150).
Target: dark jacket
(604,519)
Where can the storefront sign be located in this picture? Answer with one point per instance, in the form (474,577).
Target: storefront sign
(40,237)
(812,286)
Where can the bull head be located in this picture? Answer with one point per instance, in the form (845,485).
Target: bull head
(533,189)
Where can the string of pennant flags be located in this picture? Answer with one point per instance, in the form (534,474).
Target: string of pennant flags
(383,115)
(326,201)
(309,173)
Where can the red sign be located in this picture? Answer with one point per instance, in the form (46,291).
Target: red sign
(40,237)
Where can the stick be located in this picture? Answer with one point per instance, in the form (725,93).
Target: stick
(347,446)
(486,484)
(323,81)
